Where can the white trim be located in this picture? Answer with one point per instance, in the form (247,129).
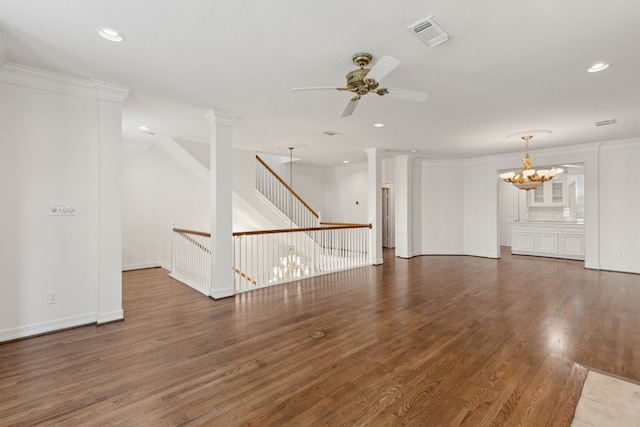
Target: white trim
(443,252)
(110,316)
(140,266)
(622,144)
(222,292)
(580,149)
(219,117)
(481,254)
(443,162)
(110,91)
(202,289)
(45,327)
(620,268)
(36,78)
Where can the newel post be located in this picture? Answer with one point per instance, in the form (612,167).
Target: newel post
(221,137)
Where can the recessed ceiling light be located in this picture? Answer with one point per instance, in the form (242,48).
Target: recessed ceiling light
(111,35)
(378,125)
(598,67)
(345,161)
(144,128)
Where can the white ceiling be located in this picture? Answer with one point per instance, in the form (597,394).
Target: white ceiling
(509,67)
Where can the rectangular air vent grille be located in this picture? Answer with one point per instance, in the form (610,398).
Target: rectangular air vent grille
(606,122)
(430,31)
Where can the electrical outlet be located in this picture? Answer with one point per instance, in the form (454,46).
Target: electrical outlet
(62,209)
(52,297)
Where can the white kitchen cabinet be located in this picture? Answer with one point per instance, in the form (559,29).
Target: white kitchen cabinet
(550,193)
(556,240)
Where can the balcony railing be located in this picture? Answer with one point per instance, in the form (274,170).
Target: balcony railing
(269,257)
(191,258)
(277,256)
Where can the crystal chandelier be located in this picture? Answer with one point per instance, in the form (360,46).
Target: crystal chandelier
(528,178)
(291,265)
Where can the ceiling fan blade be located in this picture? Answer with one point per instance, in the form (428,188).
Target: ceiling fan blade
(348,110)
(383,67)
(316,88)
(407,95)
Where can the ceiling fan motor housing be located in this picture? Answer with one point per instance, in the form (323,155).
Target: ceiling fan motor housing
(355,79)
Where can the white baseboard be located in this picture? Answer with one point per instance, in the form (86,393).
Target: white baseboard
(481,254)
(51,326)
(203,290)
(140,266)
(620,268)
(443,252)
(221,293)
(110,316)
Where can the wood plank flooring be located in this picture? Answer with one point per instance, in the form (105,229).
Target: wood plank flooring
(430,341)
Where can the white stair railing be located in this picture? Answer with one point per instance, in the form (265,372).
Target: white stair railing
(269,257)
(191,258)
(278,192)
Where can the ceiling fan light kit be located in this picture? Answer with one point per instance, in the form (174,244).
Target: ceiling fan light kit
(362,81)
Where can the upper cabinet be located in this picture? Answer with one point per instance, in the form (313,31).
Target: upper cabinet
(551,193)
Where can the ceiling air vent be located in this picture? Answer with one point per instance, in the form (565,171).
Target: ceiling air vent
(606,122)
(430,31)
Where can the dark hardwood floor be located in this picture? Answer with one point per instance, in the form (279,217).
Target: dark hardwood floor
(430,341)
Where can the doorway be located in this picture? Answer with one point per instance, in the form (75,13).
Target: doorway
(388,216)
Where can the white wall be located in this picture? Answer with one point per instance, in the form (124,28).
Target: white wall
(346,185)
(57,136)
(442,206)
(619,206)
(158,191)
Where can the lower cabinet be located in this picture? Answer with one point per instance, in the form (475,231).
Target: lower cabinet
(550,240)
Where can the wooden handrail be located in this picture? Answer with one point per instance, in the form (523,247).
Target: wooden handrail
(286,185)
(330,226)
(297,230)
(344,223)
(197,233)
(194,241)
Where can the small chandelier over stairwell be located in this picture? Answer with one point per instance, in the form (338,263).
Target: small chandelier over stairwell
(291,265)
(528,178)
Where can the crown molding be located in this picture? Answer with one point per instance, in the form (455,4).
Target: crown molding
(577,149)
(37,78)
(219,117)
(621,144)
(443,162)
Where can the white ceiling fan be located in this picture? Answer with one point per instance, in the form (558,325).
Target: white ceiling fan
(364,80)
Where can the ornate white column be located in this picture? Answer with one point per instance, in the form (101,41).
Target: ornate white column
(404,206)
(109,130)
(374,192)
(220,134)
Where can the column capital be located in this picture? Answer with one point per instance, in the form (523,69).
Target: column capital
(372,151)
(110,91)
(219,117)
